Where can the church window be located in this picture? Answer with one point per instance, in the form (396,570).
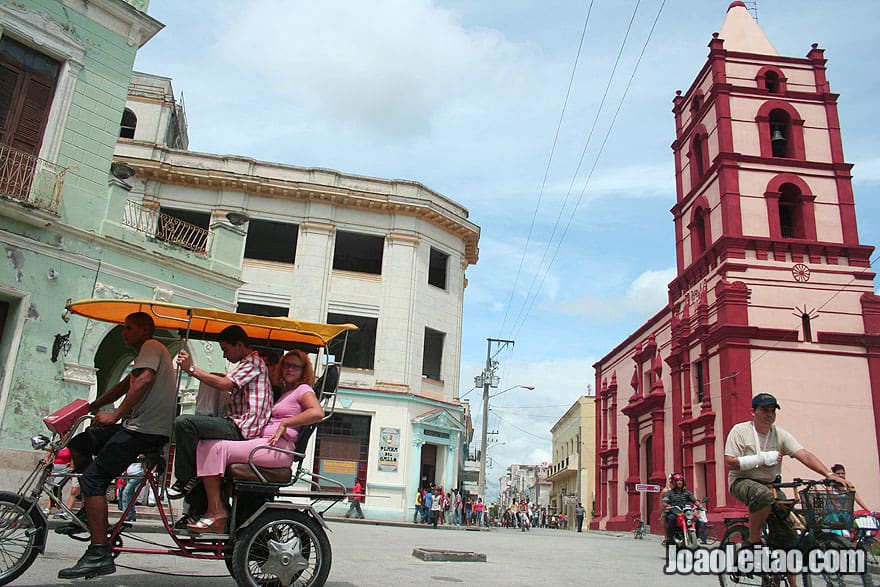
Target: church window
(699,232)
(772,79)
(771,82)
(697,103)
(701,383)
(791,218)
(698,156)
(780,133)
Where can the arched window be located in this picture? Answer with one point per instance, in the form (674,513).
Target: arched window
(790,208)
(780,133)
(128,124)
(697,102)
(699,231)
(772,79)
(771,82)
(780,130)
(791,216)
(698,149)
(698,155)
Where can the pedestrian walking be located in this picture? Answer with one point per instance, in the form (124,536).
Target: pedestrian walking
(436,506)
(417,515)
(355,502)
(136,471)
(579,513)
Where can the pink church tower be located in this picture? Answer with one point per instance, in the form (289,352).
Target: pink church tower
(774,292)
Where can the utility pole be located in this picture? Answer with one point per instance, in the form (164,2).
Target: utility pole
(488,380)
(580,471)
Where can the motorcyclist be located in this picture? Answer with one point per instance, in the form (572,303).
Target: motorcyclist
(678,496)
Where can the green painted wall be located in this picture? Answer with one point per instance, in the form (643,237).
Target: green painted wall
(47,259)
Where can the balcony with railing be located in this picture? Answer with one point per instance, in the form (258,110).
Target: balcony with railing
(165,227)
(30,180)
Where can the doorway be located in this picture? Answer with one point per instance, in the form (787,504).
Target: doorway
(429,466)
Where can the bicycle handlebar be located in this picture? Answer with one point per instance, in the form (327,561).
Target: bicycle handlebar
(798,482)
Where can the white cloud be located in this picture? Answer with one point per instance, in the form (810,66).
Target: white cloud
(867,171)
(646,295)
(393,67)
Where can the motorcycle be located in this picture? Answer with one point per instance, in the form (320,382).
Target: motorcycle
(524,523)
(268,541)
(685,527)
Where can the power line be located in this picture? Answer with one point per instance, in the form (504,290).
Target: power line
(529,303)
(522,430)
(547,169)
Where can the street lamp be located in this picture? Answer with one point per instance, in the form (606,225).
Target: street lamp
(529,387)
(486,397)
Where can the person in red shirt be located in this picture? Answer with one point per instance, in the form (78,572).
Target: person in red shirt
(60,465)
(355,501)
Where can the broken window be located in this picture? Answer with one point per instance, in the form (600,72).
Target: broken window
(432,355)
(262,310)
(358,252)
(360,351)
(437,268)
(271,241)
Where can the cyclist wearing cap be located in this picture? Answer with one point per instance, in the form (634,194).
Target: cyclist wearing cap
(678,496)
(753,456)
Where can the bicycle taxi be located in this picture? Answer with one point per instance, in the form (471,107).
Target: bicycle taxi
(276,534)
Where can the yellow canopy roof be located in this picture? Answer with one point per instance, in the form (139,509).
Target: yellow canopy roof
(208,322)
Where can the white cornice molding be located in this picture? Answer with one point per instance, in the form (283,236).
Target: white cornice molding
(120,17)
(155,162)
(42,31)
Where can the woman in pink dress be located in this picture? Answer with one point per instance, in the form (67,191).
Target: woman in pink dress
(297,406)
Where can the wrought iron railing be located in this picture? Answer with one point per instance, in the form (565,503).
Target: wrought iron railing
(29,179)
(165,227)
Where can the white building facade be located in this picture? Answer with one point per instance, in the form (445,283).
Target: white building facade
(321,245)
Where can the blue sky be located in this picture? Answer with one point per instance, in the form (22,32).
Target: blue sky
(466,97)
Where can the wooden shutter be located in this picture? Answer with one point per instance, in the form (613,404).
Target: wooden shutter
(28,133)
(27,85)
(9,80)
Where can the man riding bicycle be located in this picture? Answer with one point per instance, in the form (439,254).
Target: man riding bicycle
(753,456)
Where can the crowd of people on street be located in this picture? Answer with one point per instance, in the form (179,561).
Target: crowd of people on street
(525,514)
(433,506)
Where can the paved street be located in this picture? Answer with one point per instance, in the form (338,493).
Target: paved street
(366,554)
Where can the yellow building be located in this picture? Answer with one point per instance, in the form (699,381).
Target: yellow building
(573,470)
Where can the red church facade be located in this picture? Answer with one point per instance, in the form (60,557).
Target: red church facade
(774,293)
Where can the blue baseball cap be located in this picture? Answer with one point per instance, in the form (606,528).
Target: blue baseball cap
(764,399)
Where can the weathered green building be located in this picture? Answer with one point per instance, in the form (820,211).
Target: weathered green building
(65,230)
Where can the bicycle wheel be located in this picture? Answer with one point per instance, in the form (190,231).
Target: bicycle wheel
(22,530)
(712,535)
(827,541)
(871,546)
(737,536)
